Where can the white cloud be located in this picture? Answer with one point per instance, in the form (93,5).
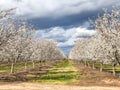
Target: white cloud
(53,8)
(65,37)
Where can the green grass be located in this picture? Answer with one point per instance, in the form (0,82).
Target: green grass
(106,67)
(5,69)
(63,73)
(16,67)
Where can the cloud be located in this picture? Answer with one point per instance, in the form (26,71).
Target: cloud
(59,14)
(54,8)
(65,37)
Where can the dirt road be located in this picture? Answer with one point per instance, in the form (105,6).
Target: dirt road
(31,86)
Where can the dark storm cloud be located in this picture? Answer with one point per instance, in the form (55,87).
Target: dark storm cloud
(69,21)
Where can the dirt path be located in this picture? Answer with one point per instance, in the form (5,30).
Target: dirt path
(31,86)
(93,77)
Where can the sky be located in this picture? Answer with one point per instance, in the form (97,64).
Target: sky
(64,21)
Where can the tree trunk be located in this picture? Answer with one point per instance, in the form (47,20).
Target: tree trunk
(88,64)
(81,62)
(44,62)
(12,67)
(39,63)
(78,61)
(25,65)
(33,63)
(93,66)
(113,70)
(101,67)
(85,63)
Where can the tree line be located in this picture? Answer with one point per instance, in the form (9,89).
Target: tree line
(18,43)
(104,46)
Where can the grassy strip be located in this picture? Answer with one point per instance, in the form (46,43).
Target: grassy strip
(63,73)
(16,67)
(106,67)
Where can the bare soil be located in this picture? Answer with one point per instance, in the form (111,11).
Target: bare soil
(93,77)
(31,86)
(21,75)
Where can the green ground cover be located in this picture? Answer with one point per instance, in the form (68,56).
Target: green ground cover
(62,73)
